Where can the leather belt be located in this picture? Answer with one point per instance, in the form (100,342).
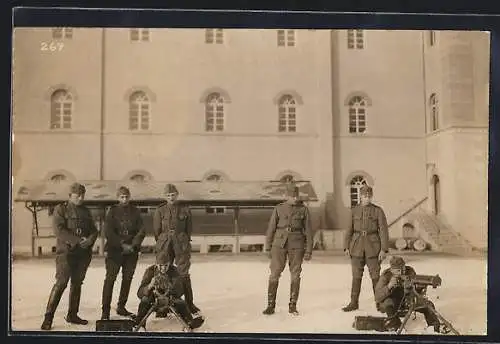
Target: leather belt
(289,229)
(364,233)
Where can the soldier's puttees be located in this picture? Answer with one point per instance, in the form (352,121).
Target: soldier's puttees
(289,236)
(124,233)
(76,234)
(172,224)
(366,243)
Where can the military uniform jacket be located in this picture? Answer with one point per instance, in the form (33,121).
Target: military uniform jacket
(381,290)
(123,224)
(290,225)
(368,232)
(172,221)
(175,283)
(71,223)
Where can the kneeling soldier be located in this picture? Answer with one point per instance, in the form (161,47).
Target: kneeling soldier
(161,288)
(390,293)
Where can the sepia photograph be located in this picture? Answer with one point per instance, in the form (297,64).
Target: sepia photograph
(208,180)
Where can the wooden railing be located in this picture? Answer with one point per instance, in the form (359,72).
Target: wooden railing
(406,212)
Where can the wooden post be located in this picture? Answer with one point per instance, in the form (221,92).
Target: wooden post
(236,249)
(101,234)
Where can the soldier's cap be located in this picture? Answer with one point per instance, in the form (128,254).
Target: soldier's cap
(366,190)
(123,190)
(77,188)
(170,188)
(396,262)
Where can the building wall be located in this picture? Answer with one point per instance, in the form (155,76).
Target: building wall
(177,146)
(457,151)
(395,154)
(390,153)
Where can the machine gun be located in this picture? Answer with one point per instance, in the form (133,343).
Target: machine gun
(162,299)
(415,298)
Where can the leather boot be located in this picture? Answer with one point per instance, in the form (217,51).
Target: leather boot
(72,317)
(188,295)
(355,290)
(54,299)
(107,295)
(184,312)
(122,299)
(272,290)
(294,296)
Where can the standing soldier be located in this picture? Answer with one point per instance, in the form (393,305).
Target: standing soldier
(76,234)
(172,225)
(289,234)
(124,233)
(366,243)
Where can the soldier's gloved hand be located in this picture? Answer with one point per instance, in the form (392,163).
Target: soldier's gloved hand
(381,256)
(85,242)
(307,256)
(347,253)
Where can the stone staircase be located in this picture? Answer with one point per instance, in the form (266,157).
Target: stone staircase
(442,238)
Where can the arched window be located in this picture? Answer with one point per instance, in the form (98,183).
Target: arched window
(214,178)
(287,114)
(434,112)
(61,110)
(138,178)
(57,178)
(288,178)
(139,111)
(357,115)
(214,112)
(355,185)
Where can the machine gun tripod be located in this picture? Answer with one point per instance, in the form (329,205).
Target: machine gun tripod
(415,299)
(157,305)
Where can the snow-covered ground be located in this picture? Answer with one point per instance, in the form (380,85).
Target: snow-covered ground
(231,292)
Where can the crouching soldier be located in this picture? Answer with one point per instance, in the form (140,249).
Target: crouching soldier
(289,235)
(76,234)
(390,295)
(161,289)
(124,233)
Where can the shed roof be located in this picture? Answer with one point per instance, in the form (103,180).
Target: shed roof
(248,192)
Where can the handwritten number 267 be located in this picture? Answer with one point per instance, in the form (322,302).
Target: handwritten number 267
(52,46)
